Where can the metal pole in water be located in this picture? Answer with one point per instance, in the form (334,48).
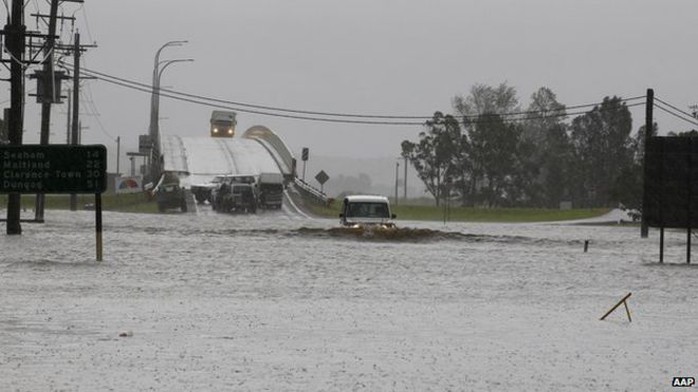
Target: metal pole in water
(98,224)
(661,244)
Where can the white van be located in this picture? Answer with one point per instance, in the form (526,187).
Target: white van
(365,210)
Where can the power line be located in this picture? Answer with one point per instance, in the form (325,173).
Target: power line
(660,107)
(558,112)
(348,118)
(492,118)
(675,108)
(87,95)
(347,115)
(221,104)
(262,107)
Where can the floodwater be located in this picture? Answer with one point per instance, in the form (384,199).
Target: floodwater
(275,301)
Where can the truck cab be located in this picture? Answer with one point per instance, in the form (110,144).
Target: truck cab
(223,123)
(366,210)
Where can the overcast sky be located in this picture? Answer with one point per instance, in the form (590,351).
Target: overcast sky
(396,57)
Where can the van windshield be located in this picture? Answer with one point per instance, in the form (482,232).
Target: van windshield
(367,210)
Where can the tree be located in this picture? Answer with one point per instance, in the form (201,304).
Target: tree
(691,133)
(602,151)
(494,149)
(434,156)
(555,161)
(544,113)
(488,151)
(545,137)
(3,131)
(484,99)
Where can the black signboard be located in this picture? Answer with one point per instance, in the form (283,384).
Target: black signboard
(671,182)
(53,169)
(322,177)
(145,143)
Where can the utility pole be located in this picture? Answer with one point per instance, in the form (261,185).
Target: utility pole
(649,129)
(404,194)
(48,98)
(397,167)
(118,154)
(67,118)
(15,32)
(76,106)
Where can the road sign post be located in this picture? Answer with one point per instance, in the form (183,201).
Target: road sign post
(304,158)
(322,178)
(57,169)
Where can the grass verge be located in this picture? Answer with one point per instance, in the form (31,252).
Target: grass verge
(471,214)
(138,202)
(128,202)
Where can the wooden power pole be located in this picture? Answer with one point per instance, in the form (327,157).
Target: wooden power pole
(649,130)
(49,96)
(15,32)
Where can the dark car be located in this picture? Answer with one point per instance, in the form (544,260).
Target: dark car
(171,195)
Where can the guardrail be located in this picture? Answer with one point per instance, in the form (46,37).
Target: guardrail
(310,192)
(276,147)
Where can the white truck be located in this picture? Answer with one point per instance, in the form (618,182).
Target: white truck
(366,211)
(223,123)
(270,190)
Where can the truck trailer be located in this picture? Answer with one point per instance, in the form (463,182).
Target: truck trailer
(270,190)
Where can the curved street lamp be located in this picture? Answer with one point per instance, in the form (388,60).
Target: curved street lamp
(155,109)
(153,129)
(155,112)
(155,86)
(166,64)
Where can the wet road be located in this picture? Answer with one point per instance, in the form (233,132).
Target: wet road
(280,302)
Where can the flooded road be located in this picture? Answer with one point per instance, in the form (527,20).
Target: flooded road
(279,302)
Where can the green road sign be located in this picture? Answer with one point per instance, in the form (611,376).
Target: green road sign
(53,169)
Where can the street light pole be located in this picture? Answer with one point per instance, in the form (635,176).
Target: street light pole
(397,167)
(155,111)
(153,129)
(404,195)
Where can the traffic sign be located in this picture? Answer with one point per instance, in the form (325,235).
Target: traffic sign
(322,177)
(53,169)
(145,143)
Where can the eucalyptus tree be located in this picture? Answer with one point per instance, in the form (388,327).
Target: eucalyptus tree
(488,151)
(546,152)
(435,155)
(602,151)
